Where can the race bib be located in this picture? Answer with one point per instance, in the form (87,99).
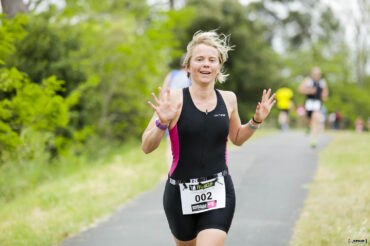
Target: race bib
(198,197)
(313,105)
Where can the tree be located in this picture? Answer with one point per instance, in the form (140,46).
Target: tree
(26,108)
(295,23)
(12,7)
(48,49)
(361,21)
(128,47)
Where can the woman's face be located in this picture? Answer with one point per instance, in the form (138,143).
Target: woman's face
(204,64)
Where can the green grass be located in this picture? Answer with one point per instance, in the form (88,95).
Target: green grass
(76,197)
(338,204)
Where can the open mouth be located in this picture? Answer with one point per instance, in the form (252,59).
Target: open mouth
(205,72)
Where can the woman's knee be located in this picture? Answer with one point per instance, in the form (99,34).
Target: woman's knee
(211,237)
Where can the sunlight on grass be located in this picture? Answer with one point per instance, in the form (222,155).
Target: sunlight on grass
(337,208)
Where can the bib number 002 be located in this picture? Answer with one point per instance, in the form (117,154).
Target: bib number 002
(199,197)
(203,197)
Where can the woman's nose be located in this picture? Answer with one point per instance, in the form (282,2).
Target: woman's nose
(206,63)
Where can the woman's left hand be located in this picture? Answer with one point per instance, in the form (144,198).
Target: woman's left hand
(264,107)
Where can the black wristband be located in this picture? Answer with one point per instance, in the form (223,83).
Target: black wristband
(256,121)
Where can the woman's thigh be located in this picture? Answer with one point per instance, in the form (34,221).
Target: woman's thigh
(211,237)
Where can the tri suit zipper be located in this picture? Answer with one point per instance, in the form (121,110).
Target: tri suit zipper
(202,164)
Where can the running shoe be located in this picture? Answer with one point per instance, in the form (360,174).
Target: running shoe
(313,143)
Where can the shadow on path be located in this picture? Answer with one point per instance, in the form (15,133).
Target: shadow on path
(270,177)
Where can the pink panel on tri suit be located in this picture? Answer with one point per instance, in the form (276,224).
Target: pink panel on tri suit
(175,146)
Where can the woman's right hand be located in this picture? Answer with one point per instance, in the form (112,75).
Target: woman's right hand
(165,110)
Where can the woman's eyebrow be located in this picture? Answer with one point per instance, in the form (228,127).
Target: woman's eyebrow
(204,56)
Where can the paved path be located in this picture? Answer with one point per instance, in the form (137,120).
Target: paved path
(270,177)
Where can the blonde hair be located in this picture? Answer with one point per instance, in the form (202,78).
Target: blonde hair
(218,41)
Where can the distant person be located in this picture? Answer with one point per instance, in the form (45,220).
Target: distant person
(284,103)
(301,113)
(331,119)
(175,80)
(337,120)
(359,124)
(316,90)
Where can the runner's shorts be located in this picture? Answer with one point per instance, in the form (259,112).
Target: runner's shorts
(187,227)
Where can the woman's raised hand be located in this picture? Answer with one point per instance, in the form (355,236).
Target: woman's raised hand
(165,110)
(264,107)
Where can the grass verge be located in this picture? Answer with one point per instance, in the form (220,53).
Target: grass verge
(337,208)
(61,206)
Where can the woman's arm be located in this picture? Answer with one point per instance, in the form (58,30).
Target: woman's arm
(239,133)
(166,108)
(303,88)
(152,136)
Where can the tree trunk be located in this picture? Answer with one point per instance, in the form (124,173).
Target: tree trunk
(172,4)
(361,42)
(12,7)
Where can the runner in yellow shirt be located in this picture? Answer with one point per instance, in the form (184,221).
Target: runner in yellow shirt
(284,103)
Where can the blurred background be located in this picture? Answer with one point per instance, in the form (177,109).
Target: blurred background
(71,70)
(75,75)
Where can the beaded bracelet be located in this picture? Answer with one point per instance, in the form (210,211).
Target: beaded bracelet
(160,126)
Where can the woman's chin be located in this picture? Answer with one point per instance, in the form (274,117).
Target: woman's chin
(205,80)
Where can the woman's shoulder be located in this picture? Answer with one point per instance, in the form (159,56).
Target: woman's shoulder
(229,96)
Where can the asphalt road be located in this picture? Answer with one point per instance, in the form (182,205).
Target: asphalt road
(270,176)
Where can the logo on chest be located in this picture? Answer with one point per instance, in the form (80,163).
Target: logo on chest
(219,115)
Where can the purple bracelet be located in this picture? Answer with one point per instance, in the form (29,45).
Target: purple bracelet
(160,126)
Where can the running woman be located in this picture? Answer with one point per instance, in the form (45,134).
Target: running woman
(199,197)
(316,91)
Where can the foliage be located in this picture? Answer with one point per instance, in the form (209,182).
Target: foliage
(32,114)
(48,50)
(295,23)
(10,31)
(31,109)
(129,54)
